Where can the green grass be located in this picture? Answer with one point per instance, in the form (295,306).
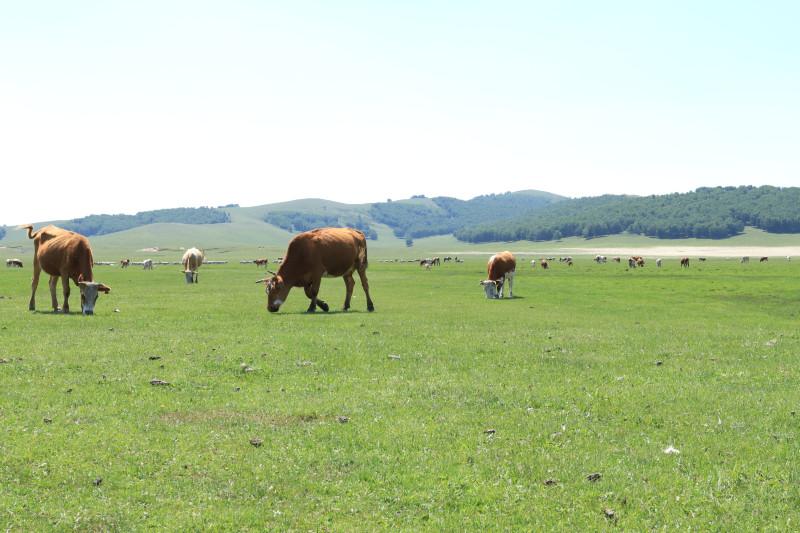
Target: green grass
(566,374)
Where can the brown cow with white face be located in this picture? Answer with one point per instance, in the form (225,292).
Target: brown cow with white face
(66,255)
(500,269)
(312,255)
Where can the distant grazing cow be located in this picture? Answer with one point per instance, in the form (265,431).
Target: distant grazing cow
(617,259)
(533,263)
(631,262)
(457,260)
(744,259)
(639,260)
(147,264)
(544,264)
(16,263)
(763,260)
(124,263)
(501,268)
(191,261)
(658,262)
(600,259)
(261,262)
(447,259)
(66,255)
(788,257)
(436,261)
(312,255)
(684,262)
(702,259)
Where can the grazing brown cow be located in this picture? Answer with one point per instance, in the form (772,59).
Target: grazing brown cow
(763,260)
(684,262)
(124,263)
(544,264)
(261,262)
(17,263)
(616,259)
(312,255)
(67,255)
(501,269)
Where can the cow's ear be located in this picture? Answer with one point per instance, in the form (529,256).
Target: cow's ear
(80,278)
(104,288)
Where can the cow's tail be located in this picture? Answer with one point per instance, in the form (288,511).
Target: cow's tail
(362,255)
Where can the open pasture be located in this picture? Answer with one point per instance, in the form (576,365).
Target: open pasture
(439,411)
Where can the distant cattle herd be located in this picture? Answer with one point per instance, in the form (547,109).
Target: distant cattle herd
(311,255)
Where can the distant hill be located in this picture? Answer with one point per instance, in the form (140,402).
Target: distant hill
(424,217)
(714,213)
(748,214)
(104,224)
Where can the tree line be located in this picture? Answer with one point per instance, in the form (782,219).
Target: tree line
(444,215)
(297,221)
(708,212)
(104,224)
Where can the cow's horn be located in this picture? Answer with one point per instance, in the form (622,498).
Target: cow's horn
(262,280)
(271,272)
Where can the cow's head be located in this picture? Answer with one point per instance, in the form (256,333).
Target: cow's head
(492,288)
(277,290)
(191,277)
(90,290)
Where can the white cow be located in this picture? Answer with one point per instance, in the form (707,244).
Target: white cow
(192,260)
(658,262)
(147,264)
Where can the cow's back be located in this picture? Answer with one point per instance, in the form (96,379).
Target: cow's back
(500,264)
(334,251)
(69,253)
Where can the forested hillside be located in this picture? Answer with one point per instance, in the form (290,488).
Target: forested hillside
(2,232)
(102,224)
(296,221)
(715,213)
(443,215)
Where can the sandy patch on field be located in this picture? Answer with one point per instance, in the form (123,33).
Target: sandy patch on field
(663,251)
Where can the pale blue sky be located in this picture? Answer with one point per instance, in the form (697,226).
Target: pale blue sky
(126,106)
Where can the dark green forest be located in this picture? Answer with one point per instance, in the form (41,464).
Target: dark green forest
(2,232)
(103,224)
(446,215)
(296,221)
(715,213)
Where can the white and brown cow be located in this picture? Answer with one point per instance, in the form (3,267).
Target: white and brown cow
(192,260)
(312,255)
(66,255)
(501,270)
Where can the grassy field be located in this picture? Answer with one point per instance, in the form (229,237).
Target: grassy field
(440,411)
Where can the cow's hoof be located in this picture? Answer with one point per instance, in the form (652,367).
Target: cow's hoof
(323,306)
(311,310)
(370,308)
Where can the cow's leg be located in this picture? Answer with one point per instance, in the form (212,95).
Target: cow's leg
(312,290)
(349,283)
(37,270)
(362,273)
(53,299)
(510,281)
(65,286)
